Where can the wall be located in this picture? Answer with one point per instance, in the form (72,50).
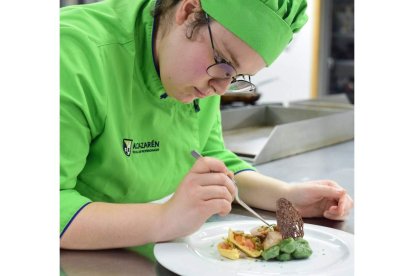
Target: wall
(289,77)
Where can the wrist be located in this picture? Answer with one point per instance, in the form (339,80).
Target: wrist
(162,223)
(285,190)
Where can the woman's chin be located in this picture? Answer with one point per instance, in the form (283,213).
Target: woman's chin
(187,99)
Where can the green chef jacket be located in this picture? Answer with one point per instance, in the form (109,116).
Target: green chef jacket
(121,139)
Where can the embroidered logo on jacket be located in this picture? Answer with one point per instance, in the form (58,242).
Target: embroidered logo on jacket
(126,145)
(140,147)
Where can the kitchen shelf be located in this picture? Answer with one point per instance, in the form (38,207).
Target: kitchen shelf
(342,72)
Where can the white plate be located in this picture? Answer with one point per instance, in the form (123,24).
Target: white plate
(333,253)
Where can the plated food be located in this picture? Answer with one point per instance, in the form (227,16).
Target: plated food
(282,242)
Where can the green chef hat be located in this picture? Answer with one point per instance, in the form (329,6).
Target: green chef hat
(267,26)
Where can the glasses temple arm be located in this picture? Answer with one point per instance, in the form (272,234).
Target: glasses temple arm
(209,31)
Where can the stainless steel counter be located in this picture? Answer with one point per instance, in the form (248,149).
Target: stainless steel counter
(335,162)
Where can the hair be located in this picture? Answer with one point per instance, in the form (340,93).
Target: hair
(163,12)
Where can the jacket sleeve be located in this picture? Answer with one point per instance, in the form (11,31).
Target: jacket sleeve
(82,115)
(214,146)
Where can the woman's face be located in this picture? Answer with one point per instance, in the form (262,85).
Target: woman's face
(183,62)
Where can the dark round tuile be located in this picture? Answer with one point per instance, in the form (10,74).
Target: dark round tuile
(289,220)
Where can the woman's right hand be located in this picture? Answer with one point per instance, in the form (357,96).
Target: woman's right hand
(206,190)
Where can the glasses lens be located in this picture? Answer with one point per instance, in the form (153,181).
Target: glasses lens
(241,86)
(221,71)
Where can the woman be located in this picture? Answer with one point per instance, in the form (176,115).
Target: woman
(138,93)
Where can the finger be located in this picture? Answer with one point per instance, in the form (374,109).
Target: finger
(348,204)
(230,174)
(336,212)
(345,203)
(216,192)
(331,192)
(342,204)
(337,209)
(217,206)
(333,214)
(333,210)
(328,182)
(329,215)
(331,205)
(220,179)
(208,164)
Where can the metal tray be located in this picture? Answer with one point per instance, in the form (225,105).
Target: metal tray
(263,133)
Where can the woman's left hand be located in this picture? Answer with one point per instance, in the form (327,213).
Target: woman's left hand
(320,198)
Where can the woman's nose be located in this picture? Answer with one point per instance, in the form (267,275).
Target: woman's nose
(220,85)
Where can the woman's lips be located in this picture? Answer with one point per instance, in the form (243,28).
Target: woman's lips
(200,94)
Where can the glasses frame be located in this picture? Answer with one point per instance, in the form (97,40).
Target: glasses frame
(247,85)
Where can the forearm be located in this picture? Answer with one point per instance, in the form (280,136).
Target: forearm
(107,225)
(260,191)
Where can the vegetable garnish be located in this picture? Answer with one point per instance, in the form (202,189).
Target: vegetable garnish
(282,242)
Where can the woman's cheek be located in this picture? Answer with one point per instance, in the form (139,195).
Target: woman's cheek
(200,70)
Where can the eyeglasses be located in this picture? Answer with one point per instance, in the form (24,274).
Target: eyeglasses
(223,69)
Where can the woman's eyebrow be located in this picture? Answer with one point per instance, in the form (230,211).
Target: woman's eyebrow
(232,58)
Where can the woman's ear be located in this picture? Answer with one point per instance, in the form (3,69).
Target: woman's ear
(185,11)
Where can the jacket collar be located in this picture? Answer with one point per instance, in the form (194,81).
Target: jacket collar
(138,23)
